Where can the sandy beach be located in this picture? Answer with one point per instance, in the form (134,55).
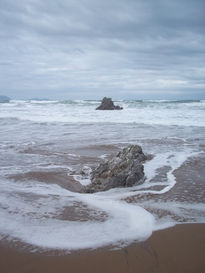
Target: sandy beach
(180,249)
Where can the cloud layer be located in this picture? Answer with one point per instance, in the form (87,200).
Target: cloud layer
(91,48)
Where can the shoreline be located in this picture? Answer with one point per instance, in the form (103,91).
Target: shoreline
(179,249)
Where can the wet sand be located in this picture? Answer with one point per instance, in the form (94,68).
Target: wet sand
(180,249)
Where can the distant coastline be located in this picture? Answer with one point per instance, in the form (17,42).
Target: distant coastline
(4,99)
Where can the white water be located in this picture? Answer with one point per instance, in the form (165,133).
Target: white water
(51,136)
(33,220)
(145,112)
(123,218)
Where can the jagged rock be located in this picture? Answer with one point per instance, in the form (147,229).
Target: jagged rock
(107,104)
(123,170)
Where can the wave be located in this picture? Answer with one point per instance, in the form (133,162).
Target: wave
(161,101)
(93,102)
(157,112)
(171,101)
(79,102)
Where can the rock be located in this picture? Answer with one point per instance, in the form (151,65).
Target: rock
(107,104)
(123,170)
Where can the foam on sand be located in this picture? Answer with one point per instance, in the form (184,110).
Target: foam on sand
(35,222)
(30,212)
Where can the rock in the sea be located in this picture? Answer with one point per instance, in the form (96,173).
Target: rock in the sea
(107,104)
(123,170)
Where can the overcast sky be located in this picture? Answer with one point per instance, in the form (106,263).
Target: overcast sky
(73,49)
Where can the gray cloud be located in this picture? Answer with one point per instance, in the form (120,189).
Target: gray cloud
(91,48)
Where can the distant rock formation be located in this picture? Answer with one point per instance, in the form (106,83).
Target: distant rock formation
(4,99)
(107,104)
(123,170)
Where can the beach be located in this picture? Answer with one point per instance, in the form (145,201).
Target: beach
(48,150)
(180,249)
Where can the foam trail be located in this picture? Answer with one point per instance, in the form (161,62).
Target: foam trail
(150,169)
(29,211)
(28,223)
(185,212)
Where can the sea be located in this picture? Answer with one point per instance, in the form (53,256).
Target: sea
(49,148)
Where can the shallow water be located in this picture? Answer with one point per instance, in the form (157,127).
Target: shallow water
(44,145)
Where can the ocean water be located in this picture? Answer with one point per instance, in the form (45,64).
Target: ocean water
(45,145)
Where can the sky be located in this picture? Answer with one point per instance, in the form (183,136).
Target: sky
(88,49)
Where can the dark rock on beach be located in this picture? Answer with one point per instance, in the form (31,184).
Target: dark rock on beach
(107,104)
(123,170)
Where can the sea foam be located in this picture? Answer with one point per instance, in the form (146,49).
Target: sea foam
(36,224)
(30,212)
(186,113)
(63,137)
